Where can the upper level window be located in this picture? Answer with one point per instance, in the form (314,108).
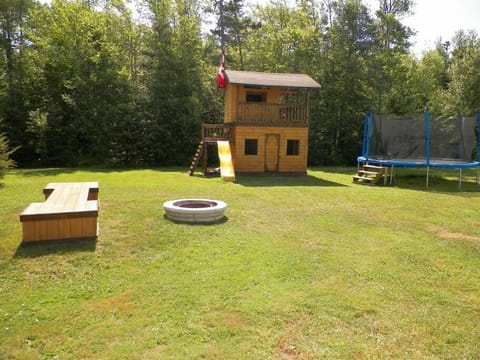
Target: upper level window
(293,147)
(256,97)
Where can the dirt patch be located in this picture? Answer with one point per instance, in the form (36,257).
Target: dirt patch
(117,304)
(287,343)
(287,349)
(234,321)
(452,235)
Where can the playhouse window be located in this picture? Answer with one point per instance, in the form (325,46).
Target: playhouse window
(293,147)
(256,97)
(251,146)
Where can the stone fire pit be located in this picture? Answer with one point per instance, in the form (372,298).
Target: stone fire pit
(195,210)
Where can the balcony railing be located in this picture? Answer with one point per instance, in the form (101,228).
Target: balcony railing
(272,114)
(215,132)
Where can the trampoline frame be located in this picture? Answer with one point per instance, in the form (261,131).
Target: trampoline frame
(426,162)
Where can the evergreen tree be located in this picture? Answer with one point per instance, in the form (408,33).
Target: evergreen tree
(14,75)
(345,84)
(86,82)
(5,155)
(233,28)
(176,82)
(388,54)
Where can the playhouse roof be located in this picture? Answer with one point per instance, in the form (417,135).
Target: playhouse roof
(271,79)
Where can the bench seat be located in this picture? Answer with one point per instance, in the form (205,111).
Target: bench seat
(70,211)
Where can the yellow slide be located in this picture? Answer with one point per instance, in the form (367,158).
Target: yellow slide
(226,166)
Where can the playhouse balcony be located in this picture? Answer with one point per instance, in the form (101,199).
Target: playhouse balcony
(272,114)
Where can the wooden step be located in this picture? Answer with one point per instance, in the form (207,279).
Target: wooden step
(365,172)
(368,166)
(370,174)
(363,178)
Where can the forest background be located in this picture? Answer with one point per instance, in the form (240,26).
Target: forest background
(87,82)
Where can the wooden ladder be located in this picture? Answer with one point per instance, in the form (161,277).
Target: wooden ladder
(371,174)
(196,158)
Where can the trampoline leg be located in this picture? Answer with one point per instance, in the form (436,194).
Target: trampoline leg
(460,179)
(426,180)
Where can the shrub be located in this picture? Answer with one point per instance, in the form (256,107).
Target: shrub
(5,161)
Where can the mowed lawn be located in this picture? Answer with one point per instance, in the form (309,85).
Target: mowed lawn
(310,267)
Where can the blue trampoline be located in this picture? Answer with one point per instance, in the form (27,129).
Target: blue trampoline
(421,141)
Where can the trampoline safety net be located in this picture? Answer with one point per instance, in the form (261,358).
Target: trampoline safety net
(418,139)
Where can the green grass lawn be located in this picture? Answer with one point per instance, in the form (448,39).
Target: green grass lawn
(303,268)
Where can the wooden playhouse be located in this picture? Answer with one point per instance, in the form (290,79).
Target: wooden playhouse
(265,123)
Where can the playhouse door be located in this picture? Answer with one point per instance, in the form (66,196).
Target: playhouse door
(272,152)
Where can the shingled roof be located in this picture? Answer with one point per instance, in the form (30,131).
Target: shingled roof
(251,78)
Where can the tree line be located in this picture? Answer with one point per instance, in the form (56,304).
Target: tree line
(87,82)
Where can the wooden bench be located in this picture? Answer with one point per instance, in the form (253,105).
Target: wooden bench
(70,211)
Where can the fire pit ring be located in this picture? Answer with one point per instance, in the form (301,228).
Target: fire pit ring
(195,210)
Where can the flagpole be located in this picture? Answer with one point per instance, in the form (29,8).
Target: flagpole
(222,28)
(221,70)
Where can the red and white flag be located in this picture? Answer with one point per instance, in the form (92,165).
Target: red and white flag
(221,72)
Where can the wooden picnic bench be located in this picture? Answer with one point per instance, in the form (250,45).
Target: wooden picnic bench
(70,211)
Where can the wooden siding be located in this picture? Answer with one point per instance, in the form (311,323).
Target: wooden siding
(231,100)
(273,94)
(234,95)
(256,163)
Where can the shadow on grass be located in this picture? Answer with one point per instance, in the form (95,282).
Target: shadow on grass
(64,171)
(43,171)
(443,181)
(60,247)
(199,175)
(283,180)
(438,182)
(91,169)
(334,170)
